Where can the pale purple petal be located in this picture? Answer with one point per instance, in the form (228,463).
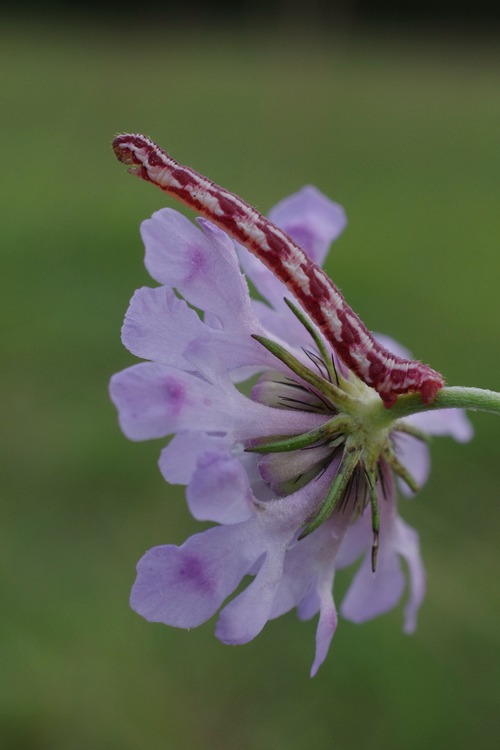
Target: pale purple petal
(415,456)
(406,543)
(244,617)
(310,603)
(217,286)
(265,282)
(299,579)
(279,323)
(155,400)
(277,523)
(260,489)
(209,361)
(452,422)
(357,540)
(307,581)
(176,250)
(184,586)
(327,622)
(275,388)
(201,265)
(178,460)
(313,560)
(371,594)
(219,489)
(229,283)
(235,352)
(311,219)
(248,418)
(279,468)
(295,585)
(158,326)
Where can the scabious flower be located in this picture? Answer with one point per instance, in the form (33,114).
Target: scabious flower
(298,474)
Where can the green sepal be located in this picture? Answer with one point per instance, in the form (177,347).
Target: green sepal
(334,376)
(402,472)
(335,395)
(335,426)
(348,464)
(375,509)
(409,429)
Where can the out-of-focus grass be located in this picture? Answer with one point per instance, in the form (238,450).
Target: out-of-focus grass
(405,135)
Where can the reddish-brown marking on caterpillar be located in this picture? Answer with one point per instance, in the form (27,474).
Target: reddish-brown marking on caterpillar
(376,366)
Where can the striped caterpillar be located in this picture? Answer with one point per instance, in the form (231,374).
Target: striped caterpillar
(387,373)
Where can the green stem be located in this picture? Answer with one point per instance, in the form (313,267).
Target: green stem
(453,397)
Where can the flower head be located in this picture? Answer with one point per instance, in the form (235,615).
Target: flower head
(300,475)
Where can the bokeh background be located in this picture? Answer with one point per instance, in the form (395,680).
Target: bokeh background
(395,115)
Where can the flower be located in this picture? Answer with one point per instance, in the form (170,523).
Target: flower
(300,475)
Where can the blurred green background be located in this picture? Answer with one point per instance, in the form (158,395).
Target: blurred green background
(400,127)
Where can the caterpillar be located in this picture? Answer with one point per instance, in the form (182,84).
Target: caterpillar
(380,369)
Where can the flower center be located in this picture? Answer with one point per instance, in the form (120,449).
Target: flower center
(352,436)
